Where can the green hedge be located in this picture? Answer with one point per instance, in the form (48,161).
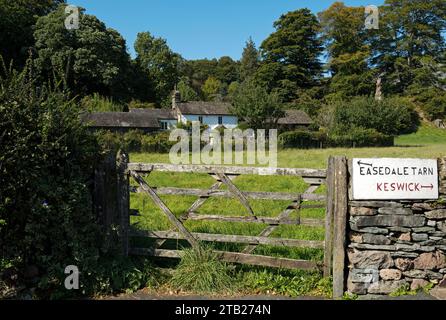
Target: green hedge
(299,139)
(359,137)
(355,137)
(391,116)
(136,141)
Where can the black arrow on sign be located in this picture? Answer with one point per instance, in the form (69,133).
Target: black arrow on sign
(428,187)
(365,164)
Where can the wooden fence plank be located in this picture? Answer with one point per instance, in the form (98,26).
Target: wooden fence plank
(236,257)
(165,209)
(224,193)
(257,240)
(340,225)
(163,167)
(266,220)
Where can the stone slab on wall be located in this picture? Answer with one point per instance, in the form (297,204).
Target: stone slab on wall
(395,244)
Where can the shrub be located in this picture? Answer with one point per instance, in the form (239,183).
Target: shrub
(96,103)
(433,103)
(351,138)
(156,143)
(135,104)
(135,141)
(47,220)
(132,140)
(298,139)
(110,141)
(391,116)
(359,137)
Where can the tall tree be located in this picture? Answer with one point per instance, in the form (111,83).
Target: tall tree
(159,62)
(408,31)
(16,26)
(256,106)
(186,91)
(211,89)
(346,40)
(291,55)
(227,70)
(93,58)
(250,60)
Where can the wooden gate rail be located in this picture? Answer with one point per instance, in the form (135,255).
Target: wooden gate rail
(236,257)
(224,176)
(163,167)
(223,193)
(264,220)
(253,240)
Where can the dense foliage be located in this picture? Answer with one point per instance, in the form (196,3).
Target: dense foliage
(16,24)
(353,138)
(260,109)
(136,141)
(92,58)
(46,168)
(405,56)
(291,54)
(47,221)
(392,116)
(158,63)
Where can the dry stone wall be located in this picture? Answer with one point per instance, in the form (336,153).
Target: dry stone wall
(394,244)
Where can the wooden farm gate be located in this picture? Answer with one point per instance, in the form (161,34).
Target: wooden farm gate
(112,202)
(224,175)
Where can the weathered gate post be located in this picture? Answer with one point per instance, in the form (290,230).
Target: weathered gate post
(337,203)
(328,247)
(111,201)
(123,199)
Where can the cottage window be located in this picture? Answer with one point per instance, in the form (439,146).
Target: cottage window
(220,120)
(200,119)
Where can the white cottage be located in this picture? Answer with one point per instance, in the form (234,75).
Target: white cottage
(212,114)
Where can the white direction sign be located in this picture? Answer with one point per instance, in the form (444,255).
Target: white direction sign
(392,178)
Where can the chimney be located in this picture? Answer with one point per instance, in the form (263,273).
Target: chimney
(176,99)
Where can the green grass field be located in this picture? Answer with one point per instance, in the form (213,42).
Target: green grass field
(428,142)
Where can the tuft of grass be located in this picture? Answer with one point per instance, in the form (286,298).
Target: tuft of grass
(350,296)
(405,290)
(284,282)
(202,272)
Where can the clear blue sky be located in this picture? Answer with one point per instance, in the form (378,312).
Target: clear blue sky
(200,28)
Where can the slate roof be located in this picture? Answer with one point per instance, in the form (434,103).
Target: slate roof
(121,120)
(205,108)
(161,114)
(295,117)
